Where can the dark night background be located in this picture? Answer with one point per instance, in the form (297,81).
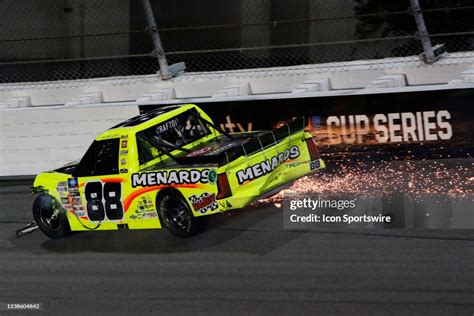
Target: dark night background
(75,39)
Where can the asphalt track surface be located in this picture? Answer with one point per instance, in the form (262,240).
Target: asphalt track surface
(245,263)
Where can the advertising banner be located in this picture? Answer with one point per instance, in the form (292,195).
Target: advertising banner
(422,124)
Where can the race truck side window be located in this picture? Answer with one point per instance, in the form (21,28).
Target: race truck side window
(171,134)
(100,159)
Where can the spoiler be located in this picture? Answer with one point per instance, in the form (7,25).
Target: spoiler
(266,139)
(257,142)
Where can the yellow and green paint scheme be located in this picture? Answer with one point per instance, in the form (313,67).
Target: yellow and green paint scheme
(129,197)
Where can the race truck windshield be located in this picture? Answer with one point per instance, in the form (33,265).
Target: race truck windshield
(170,135)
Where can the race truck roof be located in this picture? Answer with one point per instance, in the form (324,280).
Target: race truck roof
(146,119)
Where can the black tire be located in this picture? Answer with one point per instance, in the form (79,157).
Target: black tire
(175,214)
(43,209)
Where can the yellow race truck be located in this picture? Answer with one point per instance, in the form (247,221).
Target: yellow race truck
(170,167)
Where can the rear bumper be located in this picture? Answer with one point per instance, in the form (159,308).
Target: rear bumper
(273,185)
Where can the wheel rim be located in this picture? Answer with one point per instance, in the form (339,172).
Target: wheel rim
(49,218)
(177,212)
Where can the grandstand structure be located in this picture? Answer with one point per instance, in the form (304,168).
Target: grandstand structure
(92,63)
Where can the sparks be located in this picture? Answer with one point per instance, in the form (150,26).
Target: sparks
(416,178)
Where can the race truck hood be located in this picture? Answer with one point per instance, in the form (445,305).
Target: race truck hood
(68,168)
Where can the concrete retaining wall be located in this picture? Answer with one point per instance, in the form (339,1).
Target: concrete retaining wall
(37,139)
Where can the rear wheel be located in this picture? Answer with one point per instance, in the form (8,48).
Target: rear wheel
(49,217)
(176,215)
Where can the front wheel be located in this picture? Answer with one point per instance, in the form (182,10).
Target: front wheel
(176,215)
(50,218)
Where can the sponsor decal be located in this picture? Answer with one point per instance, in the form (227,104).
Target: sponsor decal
(80,213)
(123,152)
(75,200)
(167,177)
(123,161)
(212,177)
(199,152)
(145,204)
(124,144)
(141,214)
(110,136)
(72,183)
(262,168)
(390,127)
(62,187)
(78,208)
(225,204)
(204,202)
(151,214)
(123,170)
(294,164)
(73,188)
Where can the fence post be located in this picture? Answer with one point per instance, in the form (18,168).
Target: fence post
(424,35)
(150,18)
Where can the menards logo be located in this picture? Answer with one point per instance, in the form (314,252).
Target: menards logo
(262,168)
(170,177)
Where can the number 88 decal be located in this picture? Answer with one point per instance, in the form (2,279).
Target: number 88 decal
(111,194)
